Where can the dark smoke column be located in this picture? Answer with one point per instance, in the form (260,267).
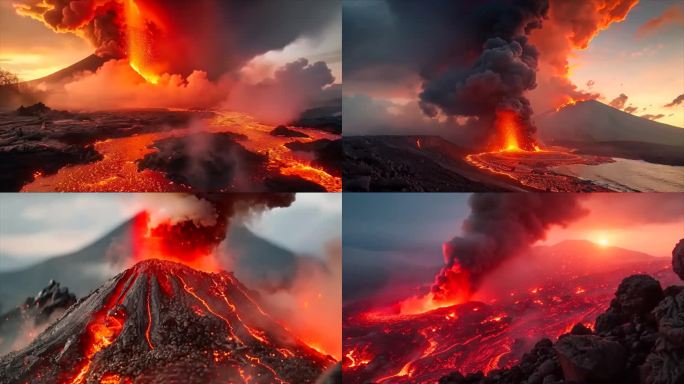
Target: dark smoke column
(496,81)
(500,226)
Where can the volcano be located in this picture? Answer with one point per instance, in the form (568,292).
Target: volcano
(563,285)
(160,321)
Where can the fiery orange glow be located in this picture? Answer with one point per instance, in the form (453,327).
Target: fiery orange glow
(140,55)
(508,130)
(569,102)
(103,329)
(118,170)
(165,242)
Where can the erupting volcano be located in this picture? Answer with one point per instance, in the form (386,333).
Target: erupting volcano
(495,298)
(161,321)
(178,96)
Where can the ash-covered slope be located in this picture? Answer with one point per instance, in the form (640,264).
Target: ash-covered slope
(163,322)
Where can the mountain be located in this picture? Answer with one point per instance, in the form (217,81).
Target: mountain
(90,63)
(161,321)
(595,128)
(594,121)
(257,261)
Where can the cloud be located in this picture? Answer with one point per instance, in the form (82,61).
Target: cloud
(631,109)
(590,83)
(677,100)
(619,102)
(653,117)
(671,16)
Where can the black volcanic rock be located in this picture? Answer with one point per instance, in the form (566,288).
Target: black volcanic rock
(638,294)
(164,322)
(206,161)
(33,314)
(328,153)
(284,131)
(665,364)
(678,259)
(37,109)
(587,358)
(282,183)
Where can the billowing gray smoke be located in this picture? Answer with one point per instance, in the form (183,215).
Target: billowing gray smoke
(473,57)
(500,226)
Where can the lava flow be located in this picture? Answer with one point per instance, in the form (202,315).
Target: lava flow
(119,169)
(515,155)
(383,344)
(164,322)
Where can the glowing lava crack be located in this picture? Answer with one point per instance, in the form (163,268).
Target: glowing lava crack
(165,322)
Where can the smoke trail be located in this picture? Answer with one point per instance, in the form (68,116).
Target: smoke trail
(500,226)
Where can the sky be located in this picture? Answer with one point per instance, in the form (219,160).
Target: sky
(384,75)
(32,50)
(36,226)
(648,67)
(416,224)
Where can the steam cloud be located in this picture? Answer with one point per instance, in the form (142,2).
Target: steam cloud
(500,226)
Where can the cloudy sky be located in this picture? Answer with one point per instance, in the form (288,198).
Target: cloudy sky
(39,225)
(32,50)
(392,50)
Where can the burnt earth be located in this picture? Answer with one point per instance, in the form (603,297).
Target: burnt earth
(328,154)
(396,163)
(164,322)
(37,139)
(639,339)
(206,161)
(284,131)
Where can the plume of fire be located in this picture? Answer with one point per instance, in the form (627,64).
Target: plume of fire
(188,229)
(509,134)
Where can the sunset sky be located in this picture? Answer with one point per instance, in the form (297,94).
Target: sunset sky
(32,50)
(641,57)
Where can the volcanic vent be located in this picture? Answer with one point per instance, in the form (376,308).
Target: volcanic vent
(160,321)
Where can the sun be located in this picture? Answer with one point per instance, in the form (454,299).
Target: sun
(603,242)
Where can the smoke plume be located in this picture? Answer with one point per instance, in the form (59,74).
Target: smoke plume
(500,226)
(619,102)
(101,22)
(188,228)
(505,69)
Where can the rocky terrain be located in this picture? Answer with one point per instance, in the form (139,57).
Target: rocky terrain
(33,315)
(411,164)
(37,140)
(164,322)
(639,339)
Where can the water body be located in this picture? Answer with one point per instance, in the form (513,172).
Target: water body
(629,175)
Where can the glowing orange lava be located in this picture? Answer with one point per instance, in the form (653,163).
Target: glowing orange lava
(103,329)
(118,170)
(140,56)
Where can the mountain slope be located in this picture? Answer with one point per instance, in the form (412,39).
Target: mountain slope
(91,63)
(161,321)
(258,260)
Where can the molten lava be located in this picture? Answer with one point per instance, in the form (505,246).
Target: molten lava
(118,170)
(140,51)
(160,321)
(485,335)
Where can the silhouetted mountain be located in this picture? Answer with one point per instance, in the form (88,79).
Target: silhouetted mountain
(595,128)
(90,63)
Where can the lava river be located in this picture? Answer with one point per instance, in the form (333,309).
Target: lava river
(118,169)
(384,347)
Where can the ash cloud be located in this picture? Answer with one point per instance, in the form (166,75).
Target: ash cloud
(499,227)
(99,22)
(652,116)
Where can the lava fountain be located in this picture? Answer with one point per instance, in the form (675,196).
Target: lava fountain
(140,33)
